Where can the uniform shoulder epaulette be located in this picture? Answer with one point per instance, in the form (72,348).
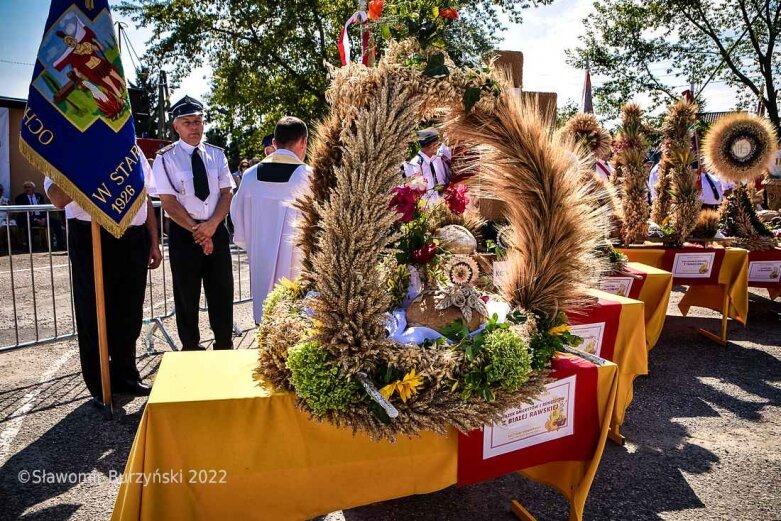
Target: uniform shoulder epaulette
(166,148)
(214,146)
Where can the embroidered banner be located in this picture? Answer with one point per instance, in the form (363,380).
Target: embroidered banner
(561,425)
(77,127)
(694,266)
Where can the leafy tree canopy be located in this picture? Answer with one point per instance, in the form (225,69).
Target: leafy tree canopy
(659,47)
(268,58)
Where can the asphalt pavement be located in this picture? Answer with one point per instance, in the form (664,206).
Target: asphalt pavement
(704,436)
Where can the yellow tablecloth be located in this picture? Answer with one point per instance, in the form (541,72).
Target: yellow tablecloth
(655,294)
(630,353)
(733,276)
(209,420)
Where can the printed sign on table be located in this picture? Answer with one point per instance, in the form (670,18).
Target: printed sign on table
(593,336)
(550,417)
(561,425)
(693,265)
(764,271)
(620,286)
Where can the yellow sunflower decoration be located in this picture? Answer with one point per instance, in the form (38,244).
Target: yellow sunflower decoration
(406,387)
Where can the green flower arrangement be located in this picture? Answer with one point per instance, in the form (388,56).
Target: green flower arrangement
(497,357)
(318,382)
(510,362)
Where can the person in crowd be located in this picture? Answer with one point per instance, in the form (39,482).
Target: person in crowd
(195,187)
(446,153)
(603,169)
(237,175)
(4,218)
(268,145)
(262,211)
(427,163)
(37,218)
(652,171)
(126,261)
(712,190)
(254,161)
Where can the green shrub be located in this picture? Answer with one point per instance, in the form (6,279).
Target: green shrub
(318,382)
(509,361)
(275,296)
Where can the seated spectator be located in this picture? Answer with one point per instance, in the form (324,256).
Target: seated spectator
(37,218)
(4,219)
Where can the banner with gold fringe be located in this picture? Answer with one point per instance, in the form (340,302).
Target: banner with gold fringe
(77,127)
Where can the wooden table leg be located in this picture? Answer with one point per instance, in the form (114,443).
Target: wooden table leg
(615,435)
(720,339)
(520,512)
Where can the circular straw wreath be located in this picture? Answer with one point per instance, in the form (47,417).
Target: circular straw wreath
(740,146)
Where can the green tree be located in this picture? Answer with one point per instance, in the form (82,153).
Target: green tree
(659,47)
(268,58)
(565,112)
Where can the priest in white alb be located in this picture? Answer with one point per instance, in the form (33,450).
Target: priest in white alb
(262,211)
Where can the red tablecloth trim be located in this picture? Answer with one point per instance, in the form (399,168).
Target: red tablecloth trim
(607,311)
(579,446)
(639,279)
(767,255)
(669,259)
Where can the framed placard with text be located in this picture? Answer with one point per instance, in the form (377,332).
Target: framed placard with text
(693,265)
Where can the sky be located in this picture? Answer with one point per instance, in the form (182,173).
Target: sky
(543,38)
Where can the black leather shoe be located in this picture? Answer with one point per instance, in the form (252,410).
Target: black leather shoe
(135,388)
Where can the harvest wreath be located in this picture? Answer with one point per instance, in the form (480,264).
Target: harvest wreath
(329,336)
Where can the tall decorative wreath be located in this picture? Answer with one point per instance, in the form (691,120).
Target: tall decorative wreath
(324,335)
(740,147)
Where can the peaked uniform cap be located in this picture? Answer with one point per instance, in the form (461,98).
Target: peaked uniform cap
(186,106)
(427,136)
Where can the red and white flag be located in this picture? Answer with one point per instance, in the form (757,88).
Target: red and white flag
(586,102)
(344,38)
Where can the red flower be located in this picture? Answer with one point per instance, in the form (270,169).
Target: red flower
(449,13)
(456,198)
(375,9)
(405,201)
(424,254)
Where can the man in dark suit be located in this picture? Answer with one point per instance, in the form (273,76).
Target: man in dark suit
(37,219)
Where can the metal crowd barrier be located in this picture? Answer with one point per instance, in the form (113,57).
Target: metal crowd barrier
(39,281)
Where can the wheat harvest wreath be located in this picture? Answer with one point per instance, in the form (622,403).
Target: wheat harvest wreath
(325,336)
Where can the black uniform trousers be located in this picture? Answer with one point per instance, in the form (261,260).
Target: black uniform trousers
(189,268)
(125,265)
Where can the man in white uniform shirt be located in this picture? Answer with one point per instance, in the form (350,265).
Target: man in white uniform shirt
(428,164)
(712,190)
(262,212)
(195,187)
(126,261)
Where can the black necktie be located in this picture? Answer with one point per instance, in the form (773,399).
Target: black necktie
(200,180)
(713,187)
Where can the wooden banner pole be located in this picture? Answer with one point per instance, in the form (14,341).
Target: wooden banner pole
(100,306)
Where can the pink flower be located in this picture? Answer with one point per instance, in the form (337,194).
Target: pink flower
(424,254)
(457,198)
(405,201)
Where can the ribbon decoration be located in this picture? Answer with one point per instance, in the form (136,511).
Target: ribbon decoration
(344,39)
